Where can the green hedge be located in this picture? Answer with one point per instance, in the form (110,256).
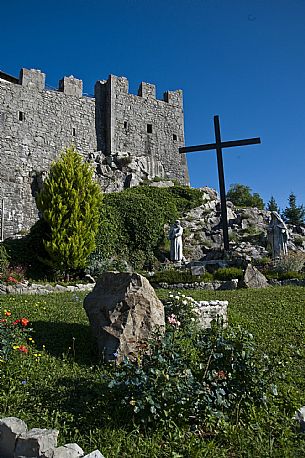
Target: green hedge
(132,222)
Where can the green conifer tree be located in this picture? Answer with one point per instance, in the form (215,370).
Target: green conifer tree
(272,206)
(70,205)
(294,214)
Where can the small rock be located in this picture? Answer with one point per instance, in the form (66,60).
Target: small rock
(68,451)
(95,454)
(36,443)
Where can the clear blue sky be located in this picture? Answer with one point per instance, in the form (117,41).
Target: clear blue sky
(241,59)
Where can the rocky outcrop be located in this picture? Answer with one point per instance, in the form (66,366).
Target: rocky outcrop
(124,312)
(247,231)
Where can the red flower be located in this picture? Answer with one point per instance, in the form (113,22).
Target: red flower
(3,320)
(7,313)
(12,279)
(221,374)
(16,322)
(23,349)
(24,322)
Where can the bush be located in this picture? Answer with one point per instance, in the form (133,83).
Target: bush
(293,261)
(192,375)
(133,221)
(179,276)
(228,273)
(3,259)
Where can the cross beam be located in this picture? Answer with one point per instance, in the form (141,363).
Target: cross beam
(218,145)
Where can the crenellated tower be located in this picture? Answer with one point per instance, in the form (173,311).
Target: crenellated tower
(127,137)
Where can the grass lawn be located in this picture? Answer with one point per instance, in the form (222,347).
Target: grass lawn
(57,384)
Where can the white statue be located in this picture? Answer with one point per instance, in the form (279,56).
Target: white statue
(278,236)
(175,236)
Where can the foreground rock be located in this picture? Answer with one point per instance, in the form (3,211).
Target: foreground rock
(17,442)
(123,311)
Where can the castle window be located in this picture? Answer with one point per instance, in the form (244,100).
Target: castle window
(174,137)
(149,128)
(20,115)
(73,131)
(125,124)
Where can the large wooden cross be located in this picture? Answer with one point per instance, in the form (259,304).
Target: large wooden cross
(218,145)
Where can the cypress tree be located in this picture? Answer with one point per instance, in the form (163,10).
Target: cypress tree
(70,205)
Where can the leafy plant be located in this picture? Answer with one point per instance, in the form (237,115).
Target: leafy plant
(69,202)
(189,373)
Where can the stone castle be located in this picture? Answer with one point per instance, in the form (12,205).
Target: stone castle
(126,137)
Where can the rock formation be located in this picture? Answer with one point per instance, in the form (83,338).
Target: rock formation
(124,312)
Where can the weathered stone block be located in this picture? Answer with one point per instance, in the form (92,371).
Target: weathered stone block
(36,443)
(10,429)
(124,311)
(208,311)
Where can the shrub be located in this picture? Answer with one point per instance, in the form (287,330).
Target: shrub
(228,273)
(3,259)
(293,261)
(179,276)
(69,202)
(191,374)
(133,221)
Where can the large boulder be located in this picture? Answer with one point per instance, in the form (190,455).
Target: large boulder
(253,278)
(123,311)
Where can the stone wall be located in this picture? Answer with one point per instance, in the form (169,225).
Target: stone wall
(146,127)
(36,124)
(112,129)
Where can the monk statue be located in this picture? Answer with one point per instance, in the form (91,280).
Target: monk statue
(175,236)
(278,236)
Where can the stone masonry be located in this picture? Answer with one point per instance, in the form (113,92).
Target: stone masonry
(126,137)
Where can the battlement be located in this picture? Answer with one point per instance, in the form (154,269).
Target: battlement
(120,84)
(69,85)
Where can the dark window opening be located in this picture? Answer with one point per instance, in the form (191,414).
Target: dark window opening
(149,128)
(174,137)
(73,131)
(125,124)
(20,115)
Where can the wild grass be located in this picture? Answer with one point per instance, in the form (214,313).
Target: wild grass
(61,388)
